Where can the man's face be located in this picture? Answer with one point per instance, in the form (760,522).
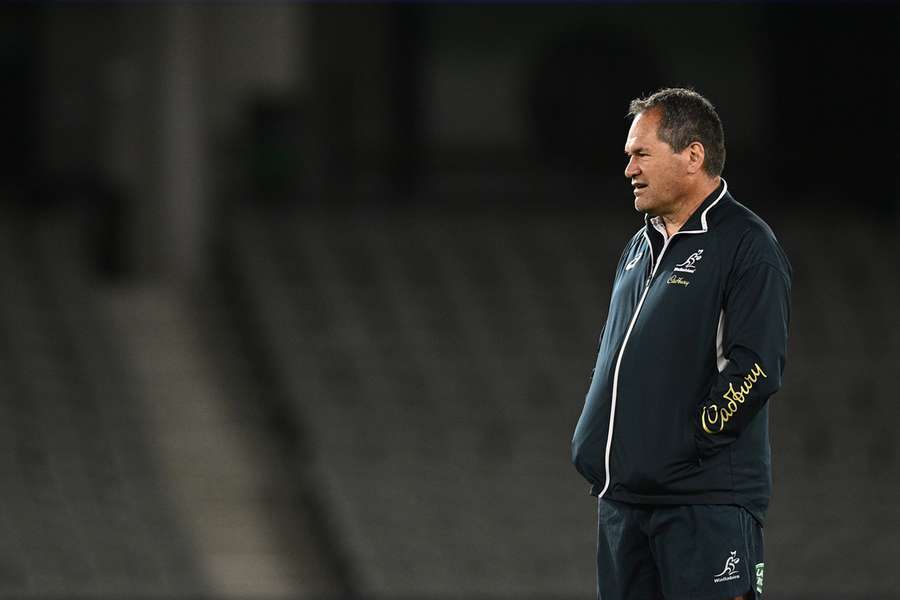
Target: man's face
(658,175)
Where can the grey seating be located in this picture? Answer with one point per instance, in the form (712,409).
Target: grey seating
(439,360)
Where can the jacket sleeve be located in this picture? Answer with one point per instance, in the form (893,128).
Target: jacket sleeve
(756,310)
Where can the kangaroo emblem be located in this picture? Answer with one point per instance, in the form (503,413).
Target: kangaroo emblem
(730,565)
(689,264)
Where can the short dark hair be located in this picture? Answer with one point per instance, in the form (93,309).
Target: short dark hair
(686,117)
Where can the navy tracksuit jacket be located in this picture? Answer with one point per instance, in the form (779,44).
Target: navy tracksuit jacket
(692,349)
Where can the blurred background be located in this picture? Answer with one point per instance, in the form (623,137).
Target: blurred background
(301,300)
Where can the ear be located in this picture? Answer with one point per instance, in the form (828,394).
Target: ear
(696,156)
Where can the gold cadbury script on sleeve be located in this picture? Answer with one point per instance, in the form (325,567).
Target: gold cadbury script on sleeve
(714,418)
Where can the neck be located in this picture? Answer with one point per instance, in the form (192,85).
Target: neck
(675,220)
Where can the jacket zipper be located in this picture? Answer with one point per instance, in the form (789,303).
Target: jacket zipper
(637,312)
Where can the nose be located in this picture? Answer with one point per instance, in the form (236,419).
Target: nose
(631,169)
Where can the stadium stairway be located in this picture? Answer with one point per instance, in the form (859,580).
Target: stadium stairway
(135,462)
(211,476)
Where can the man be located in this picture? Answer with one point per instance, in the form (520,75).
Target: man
(674,431)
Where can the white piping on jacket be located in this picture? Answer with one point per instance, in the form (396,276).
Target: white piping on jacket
(721,361)
(637,312)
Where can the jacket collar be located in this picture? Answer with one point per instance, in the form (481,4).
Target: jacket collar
(697,222)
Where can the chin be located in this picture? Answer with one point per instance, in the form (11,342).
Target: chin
(642,206)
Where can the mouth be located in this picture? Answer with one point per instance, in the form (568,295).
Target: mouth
(638,187)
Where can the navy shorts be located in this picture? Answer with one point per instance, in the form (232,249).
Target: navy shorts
(688,552)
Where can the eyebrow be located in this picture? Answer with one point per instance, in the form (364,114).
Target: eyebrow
(635,150)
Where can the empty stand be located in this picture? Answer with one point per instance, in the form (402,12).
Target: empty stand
(439,360)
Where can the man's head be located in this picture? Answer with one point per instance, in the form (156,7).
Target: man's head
(675,148)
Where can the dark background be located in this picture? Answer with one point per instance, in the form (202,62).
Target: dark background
(300,300)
